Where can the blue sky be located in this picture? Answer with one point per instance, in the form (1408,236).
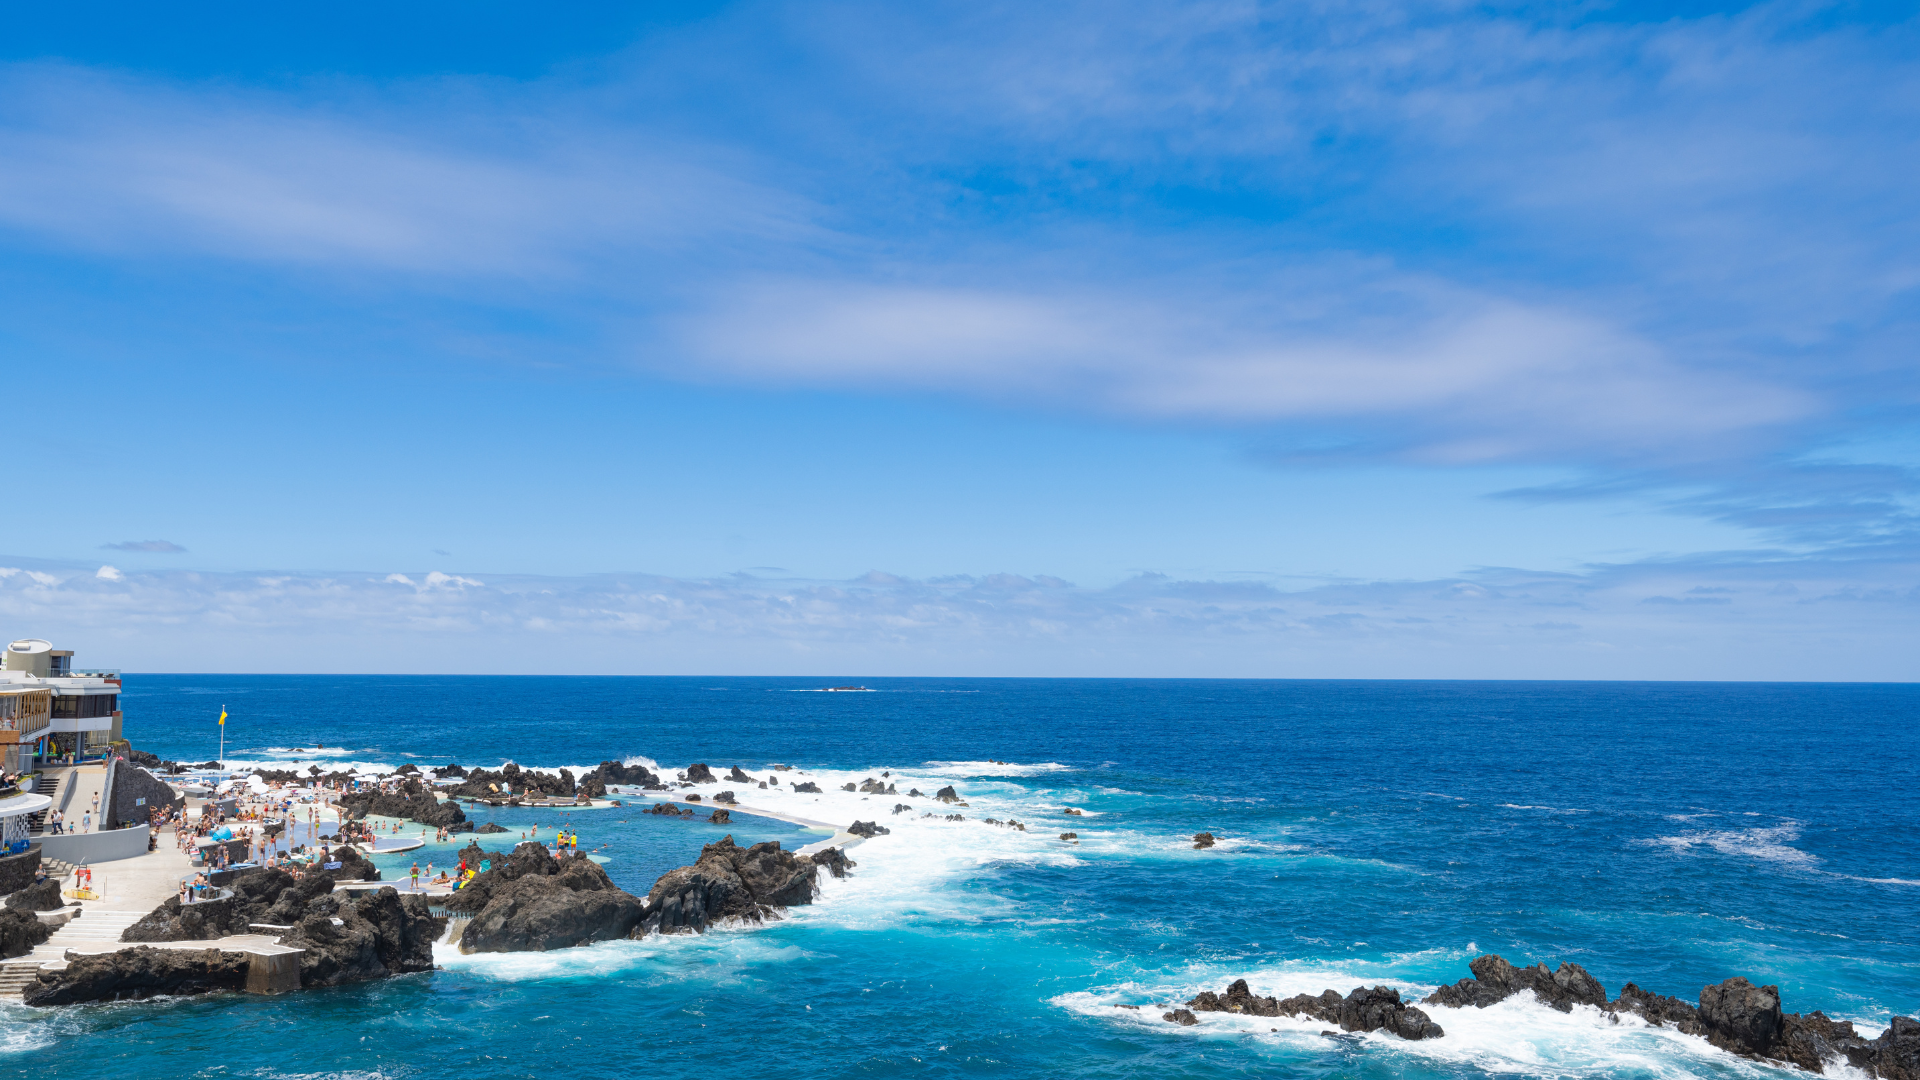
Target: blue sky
(1387,340)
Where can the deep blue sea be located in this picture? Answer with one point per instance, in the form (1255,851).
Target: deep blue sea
(1371,832)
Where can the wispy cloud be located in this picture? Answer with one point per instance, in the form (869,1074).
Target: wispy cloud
(165,547)
(1754,617)
(1677,253)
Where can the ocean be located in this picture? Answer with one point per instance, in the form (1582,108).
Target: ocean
(1369,833)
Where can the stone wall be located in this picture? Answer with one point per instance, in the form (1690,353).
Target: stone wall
(16,871)
(131,783)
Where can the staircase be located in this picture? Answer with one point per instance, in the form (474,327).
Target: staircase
(14,977)
(93,928)
(50,788)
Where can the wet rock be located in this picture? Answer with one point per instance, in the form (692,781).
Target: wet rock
(834,860)
(133,974)
(901,808)
(763,785)
(532,902)
(41,896)
(694,797)
(613,772)
(1496,980)
(413,801)
(806,788)
(1073,836)
(724,797)
(450,770)
(700,774)
(1071,812)
(668,809)
(378,934)
(876,787)
(914,793)
(490,828)
(867,829)
(1657,1009)
(722,817)
(20,932)
(847,787)
(1741,1017)
(1181,1017)
(738,777)
(408,769)
(1203,840)
(1376,1008)
(729,882)
(947,794)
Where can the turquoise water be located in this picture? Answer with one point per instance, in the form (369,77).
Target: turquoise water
(1379,832)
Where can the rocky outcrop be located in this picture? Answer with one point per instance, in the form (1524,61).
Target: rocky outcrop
(530,901)
(270,896)
(20,932)
(132,974)
(1376,1008)
(867,829)
(1183,1017)
(490,828)
(40,896)
(729,882)
(1496,980)
(1736,1016)
(449,770)
(343,938)
(945,794)
(700,774)
(722,817)
(607,773)
(738,777)
(1203,840)
(870,786)
(667,809)
(413,801)
(512,780)
(806,787)
(724,797)
(371,935)
(1658,1009)
(834,861)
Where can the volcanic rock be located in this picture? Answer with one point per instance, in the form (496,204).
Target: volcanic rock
(724,797)
(722,817)
(531,902)
(41,896)
(729,882)
(738,777)
(1377,1008)
(806,788)
(834,860)
(414,801)
(20,932)
(1496,980)
(1181,1017)
(947,794)
(867,829)
(700,774)
(1203,840)
(131,974)
(490,828)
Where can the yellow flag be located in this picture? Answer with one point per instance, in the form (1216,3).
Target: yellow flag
(223,716)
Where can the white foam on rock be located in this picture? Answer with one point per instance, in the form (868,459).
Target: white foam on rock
(1516,1036)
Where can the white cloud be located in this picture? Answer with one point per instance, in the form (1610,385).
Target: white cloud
(108,573)
(1478,378)
(1770,619)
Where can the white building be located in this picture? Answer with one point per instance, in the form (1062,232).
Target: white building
(50,709)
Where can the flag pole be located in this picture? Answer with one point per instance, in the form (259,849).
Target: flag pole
(223,736)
